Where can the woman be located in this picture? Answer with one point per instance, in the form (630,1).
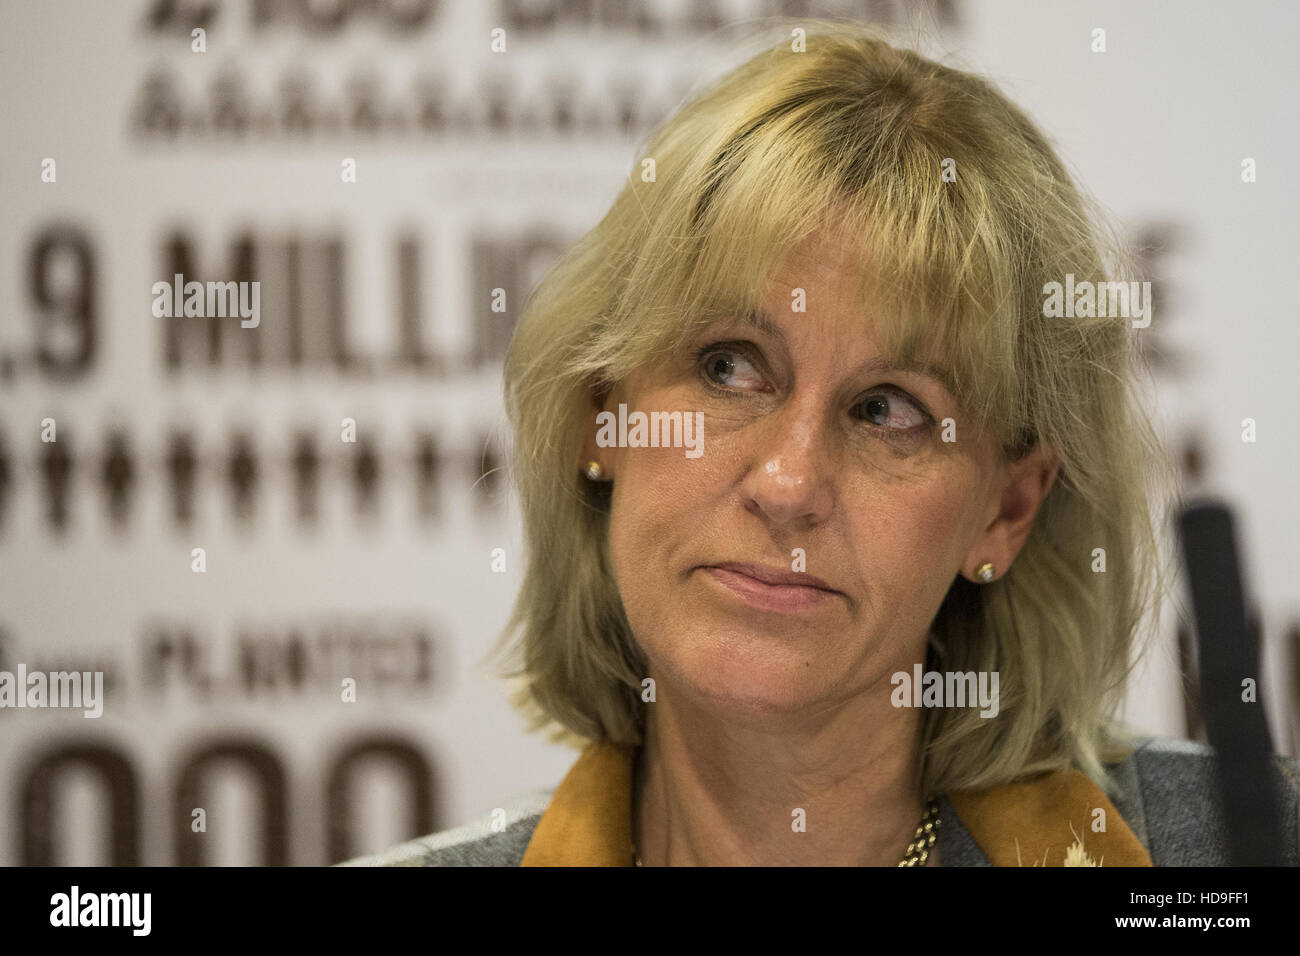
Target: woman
(841,539)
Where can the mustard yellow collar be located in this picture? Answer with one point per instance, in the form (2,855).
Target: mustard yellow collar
(589,819)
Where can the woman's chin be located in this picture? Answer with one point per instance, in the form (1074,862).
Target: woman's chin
(755,680)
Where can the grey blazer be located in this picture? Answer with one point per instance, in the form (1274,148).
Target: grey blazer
(1165,791)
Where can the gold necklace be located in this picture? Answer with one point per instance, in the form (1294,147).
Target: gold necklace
(927,831)
(918,851)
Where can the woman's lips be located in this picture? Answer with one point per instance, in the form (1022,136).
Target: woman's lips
(769,589)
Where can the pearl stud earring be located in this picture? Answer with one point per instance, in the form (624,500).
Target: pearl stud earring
(985,572)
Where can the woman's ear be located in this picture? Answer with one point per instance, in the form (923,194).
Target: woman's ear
(599,396)
(1021,489)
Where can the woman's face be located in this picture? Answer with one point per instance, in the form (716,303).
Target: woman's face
(807,450)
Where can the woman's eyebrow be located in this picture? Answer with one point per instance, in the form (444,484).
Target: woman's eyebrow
(764,323)
(940,375)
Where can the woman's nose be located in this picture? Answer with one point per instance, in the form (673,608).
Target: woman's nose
(789,480)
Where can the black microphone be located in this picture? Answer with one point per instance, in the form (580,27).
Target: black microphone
(1228,649)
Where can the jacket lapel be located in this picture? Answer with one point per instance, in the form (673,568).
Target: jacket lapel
(588,821)
(1034,822)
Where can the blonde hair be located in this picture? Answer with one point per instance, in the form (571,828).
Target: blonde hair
(854,134)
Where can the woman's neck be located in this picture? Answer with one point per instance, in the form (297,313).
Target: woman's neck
(838,790)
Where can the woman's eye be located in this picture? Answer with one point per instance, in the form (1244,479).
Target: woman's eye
(891,410)
(731,370)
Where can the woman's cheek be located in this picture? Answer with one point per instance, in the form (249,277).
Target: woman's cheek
(650,490)
(940,515)
(906,513)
